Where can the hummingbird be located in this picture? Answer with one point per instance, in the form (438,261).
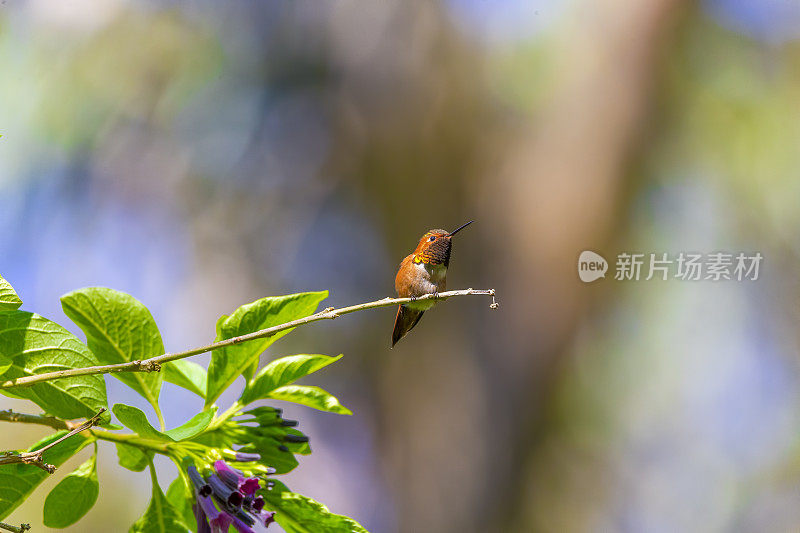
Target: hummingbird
(422,272)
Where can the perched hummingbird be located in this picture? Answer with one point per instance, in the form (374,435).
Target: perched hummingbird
(422,272)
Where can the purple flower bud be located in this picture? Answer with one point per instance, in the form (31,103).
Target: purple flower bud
(241,527)
(203,489)
(228,495)
(264,410)
(242,457)
(202,522)
(219,520)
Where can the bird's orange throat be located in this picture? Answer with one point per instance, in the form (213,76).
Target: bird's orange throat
(435,253)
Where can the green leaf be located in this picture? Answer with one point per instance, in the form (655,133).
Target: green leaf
(303,448)
(186,374)
(118,329)
(160,516)
(133,457)
(9,301)
(229,362)
(36,345)
(296,513)
(181,500)
(135,419)
(284,371)
(17,481)
(310,396)
(73,496)
(267,447)
(250,371)
(194,426)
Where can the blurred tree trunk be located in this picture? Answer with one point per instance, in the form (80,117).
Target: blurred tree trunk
(561,191)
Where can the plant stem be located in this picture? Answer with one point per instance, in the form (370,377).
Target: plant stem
(154,363)
(133,440)
(221,419)
(160,416)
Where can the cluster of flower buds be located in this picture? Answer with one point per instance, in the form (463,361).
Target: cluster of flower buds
(226,497)
(263,427)
(262,430)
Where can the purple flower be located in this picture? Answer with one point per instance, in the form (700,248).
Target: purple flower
(236,479)
(266,517)
(230,496)
(203,489)
(242,527)
(222,523)
(202,522)
(228,474)
(258,503)
(219,520)
(250,486)
(247,518)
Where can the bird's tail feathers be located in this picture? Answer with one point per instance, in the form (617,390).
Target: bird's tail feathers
(406,319)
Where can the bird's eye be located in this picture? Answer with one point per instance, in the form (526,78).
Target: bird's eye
(432,238)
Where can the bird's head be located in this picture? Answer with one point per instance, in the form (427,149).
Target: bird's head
(434,247)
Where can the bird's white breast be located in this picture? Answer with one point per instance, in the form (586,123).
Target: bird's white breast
(427,281)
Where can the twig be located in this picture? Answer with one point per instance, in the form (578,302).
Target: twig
(15,529)
(35,457)
(43,420)
(154,363)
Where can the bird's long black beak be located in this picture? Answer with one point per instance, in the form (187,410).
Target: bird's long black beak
(460,228)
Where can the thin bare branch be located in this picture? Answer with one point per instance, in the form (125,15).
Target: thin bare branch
(154,363)
(35,457)
(15,529)
(43,420)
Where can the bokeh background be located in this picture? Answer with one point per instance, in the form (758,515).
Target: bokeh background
(200,155)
